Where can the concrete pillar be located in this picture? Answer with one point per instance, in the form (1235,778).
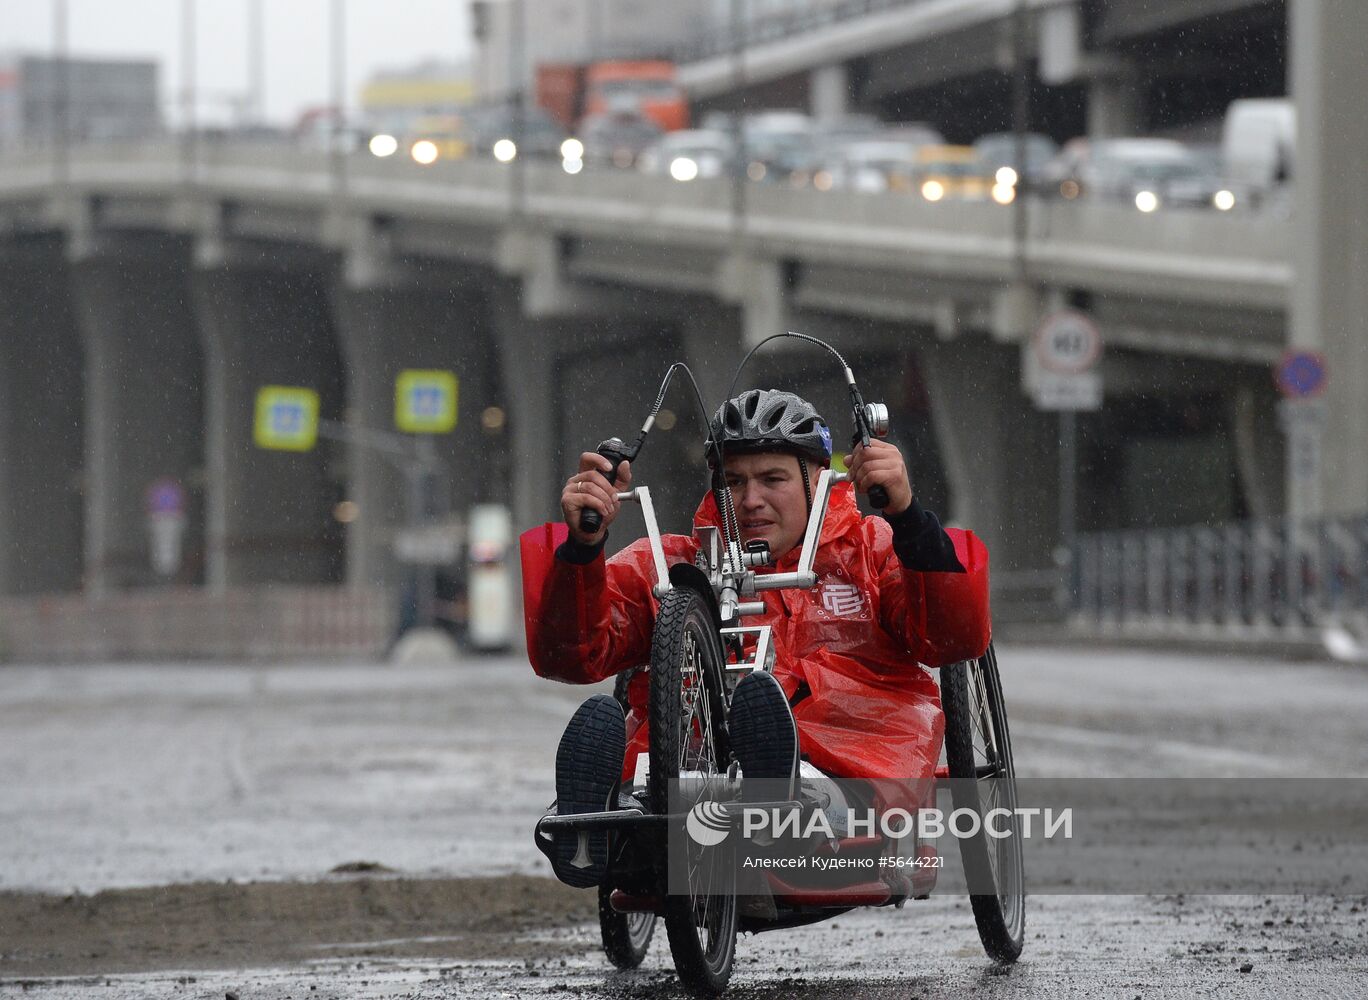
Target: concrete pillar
(1059,43)
(143,405)
(384,330)
(829,87)
(1115,103)
(527,352)
(711,337)
(605,388)
(1258,448)
(41,424)
(270,514)
(880,354)
(1330,294)
(760,287)
(999,453)
(571,366)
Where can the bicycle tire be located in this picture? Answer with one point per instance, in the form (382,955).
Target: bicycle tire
(971,690)
(686,678)
(626,936)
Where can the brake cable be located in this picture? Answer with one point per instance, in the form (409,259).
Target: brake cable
(617,451)
(871,420)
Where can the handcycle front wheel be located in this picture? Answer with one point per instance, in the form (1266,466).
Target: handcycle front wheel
(688,739)
(978,755)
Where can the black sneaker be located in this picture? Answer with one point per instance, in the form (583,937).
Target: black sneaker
(764,736)
(588,767)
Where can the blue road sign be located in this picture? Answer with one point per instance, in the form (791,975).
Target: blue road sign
(425,401)
(286,418)
(165,496)
(1301,374)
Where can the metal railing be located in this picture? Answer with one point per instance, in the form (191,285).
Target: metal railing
(795,19)
(1273,578)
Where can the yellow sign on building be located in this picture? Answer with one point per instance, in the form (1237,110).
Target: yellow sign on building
(425,401)
(286,418)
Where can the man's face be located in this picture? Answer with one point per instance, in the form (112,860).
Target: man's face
(767,490)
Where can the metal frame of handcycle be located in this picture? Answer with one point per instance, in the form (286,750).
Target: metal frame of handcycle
(731,569)
(731,574)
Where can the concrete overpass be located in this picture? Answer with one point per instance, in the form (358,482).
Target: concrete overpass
(1099,67)
(148,292)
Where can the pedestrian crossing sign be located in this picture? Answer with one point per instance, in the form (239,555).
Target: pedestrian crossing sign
(286,418)
(425,401)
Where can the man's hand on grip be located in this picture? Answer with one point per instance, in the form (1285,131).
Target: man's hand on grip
(881,464)
(589,488)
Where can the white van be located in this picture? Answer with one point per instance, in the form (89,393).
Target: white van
(1259,142)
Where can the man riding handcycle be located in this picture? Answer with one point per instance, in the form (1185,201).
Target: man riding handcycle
(838,706)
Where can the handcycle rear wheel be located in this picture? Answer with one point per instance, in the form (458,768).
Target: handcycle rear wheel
(688,736)
(626,936)
(978,753)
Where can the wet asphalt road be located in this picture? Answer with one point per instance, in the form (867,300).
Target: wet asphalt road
(133,776)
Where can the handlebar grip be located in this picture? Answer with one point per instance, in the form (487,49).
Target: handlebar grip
(591,520)
(878,497)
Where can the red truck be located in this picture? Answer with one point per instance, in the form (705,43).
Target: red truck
(571,91)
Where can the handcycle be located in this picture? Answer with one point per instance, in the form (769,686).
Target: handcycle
(699,648)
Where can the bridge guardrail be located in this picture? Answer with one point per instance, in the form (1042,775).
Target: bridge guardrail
(1187,254)
(795,19)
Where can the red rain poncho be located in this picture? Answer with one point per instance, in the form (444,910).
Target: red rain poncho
(858,639)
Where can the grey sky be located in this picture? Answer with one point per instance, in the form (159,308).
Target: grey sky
(380,34)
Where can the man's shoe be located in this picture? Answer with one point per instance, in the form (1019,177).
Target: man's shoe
(764,738)
(588,767)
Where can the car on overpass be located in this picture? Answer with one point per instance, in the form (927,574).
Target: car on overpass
(881,162)
(533,133)
(690,154)
(777,144)
(1259,144)
(434,137)
(948,173)
(999,149)
(1154,173)
(618,138)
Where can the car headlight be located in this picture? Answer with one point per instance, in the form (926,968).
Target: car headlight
(424,151)
(1224,200)
(1006,177)
(505,150)
(933,190)
(1146,201)
(572,149)
(383,145)
(682,168)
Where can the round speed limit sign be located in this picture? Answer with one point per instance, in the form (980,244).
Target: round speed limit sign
(1068,343)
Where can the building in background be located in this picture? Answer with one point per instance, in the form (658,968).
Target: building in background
(396,101)
(98,99)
